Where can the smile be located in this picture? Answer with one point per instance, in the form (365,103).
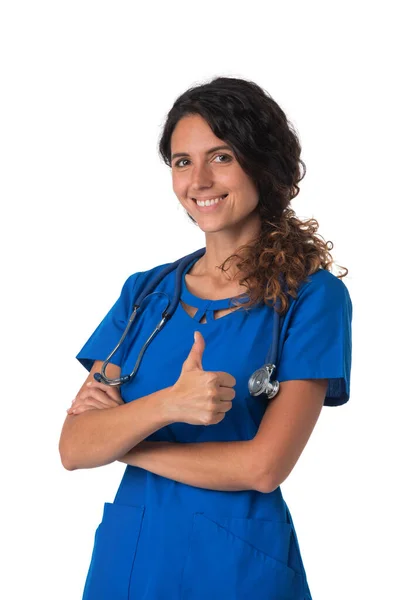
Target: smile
(209,205)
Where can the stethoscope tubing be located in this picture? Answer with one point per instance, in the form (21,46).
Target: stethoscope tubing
(256,386)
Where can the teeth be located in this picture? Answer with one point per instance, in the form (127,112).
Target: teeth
(209,202)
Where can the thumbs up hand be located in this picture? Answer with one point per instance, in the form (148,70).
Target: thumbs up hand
(200,397)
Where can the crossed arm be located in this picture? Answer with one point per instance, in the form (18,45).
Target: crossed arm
(261,463)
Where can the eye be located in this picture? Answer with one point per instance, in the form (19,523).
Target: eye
(225,155)
(179,161)
(217,156)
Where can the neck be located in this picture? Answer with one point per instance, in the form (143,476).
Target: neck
(222,244)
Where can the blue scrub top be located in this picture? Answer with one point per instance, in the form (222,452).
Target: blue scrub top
(164,539)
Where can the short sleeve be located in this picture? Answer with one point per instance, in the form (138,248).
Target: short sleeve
(108,333)
(317,342)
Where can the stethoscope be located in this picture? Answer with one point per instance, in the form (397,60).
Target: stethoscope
(259,382)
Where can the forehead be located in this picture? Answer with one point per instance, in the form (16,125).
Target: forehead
(192,131)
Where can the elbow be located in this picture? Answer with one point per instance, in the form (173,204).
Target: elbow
(68,445)
(72,460)
(66,458)
(267,482)
(264,485)
(68,466)
(67,462)
(267,486)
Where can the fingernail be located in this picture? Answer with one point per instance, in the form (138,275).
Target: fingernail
(89,383)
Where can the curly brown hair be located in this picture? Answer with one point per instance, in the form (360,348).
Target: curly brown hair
(267,147)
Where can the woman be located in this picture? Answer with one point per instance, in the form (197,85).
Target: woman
(199,513)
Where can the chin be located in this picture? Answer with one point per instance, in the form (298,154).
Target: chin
(212,228)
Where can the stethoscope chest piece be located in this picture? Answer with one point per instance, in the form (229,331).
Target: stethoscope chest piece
(260,382)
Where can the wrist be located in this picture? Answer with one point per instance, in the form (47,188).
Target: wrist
(167,406)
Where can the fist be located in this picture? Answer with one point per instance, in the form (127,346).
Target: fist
(200,397)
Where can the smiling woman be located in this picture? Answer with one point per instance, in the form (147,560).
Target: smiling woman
(196,435)
(259,171)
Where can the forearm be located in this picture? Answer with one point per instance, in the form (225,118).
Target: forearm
(99,437)
(223,466)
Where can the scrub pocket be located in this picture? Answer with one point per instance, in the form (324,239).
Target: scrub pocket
(114,551)
(239,559)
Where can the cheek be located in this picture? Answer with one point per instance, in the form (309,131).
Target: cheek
(178,186)
(242,184)
(251,193)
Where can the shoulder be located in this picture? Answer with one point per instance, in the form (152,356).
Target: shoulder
(323,283)
(144,276)
(136,281)
(321,292)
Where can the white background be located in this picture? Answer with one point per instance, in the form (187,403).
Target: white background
(86,201)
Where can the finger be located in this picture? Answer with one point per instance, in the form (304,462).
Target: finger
(195,356)
(226,394)
(101,402)
(225,379)
(94,393)
(224,406)
(90,403)
(111,391)
(96,403)
(81,409)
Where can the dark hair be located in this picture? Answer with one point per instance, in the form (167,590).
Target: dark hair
(268,149)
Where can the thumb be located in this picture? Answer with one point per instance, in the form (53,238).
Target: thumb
(195,355)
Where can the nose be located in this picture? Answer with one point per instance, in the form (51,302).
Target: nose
(201,177)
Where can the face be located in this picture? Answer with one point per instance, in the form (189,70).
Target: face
(200,174)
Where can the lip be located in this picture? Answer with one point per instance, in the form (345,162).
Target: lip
(212,207)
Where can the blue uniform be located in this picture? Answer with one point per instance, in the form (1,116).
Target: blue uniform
(164,540)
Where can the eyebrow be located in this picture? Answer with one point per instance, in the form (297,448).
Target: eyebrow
(208,151)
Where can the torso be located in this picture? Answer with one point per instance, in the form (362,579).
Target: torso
(249,528)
